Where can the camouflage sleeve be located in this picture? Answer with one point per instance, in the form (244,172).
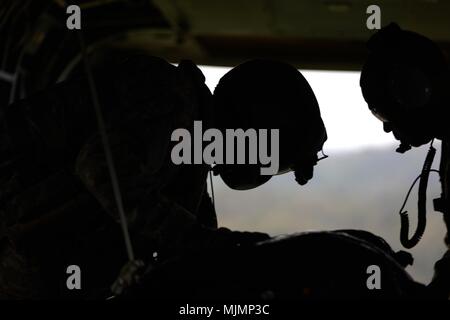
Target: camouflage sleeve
(150,213)
(153,103)
(138,176)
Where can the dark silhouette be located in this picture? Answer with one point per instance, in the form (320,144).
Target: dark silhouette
(268,94)
(58,196)
(85,150)
(406,82)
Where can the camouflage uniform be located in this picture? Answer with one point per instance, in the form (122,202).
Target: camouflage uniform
(56,196)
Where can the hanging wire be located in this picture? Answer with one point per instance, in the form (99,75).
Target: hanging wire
(411,188)
(212,188)
(12,94)
(8,12)
(107,148)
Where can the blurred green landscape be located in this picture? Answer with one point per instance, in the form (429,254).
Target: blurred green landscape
(361,189)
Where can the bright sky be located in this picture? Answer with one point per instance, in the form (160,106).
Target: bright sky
(349,123)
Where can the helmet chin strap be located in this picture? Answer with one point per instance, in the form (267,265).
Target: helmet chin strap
(403,147)
(304,171)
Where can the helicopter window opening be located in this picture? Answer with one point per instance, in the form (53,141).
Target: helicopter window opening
(361,185)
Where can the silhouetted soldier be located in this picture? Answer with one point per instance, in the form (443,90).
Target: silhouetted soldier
(310,265)
(405,82)
(56,191)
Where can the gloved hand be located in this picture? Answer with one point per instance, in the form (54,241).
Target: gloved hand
(174,228)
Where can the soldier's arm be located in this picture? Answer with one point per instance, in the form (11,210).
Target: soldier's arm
(141,147)
(142,99)
(149,212)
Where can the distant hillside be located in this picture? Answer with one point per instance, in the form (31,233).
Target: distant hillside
(361,190)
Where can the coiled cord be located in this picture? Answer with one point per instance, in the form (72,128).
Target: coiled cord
(422,201)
